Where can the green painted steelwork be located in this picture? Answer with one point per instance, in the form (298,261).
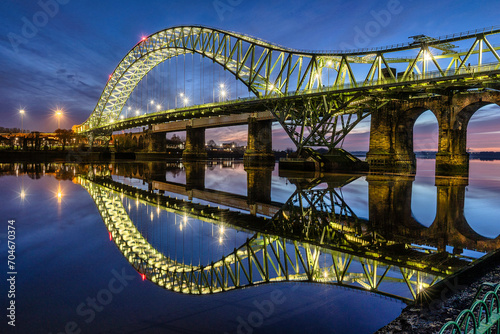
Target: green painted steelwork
(293,83)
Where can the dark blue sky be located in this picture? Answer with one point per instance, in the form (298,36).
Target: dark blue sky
(66,60)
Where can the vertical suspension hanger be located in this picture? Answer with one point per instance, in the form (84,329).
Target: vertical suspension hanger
(184,79)
(202,79)
(175,88)
(192,74)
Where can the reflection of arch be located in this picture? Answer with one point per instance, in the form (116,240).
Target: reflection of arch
(422,216)
(264,258)
(393,219)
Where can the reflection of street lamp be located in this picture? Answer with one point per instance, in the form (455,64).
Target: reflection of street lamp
(59,193)
(22,114)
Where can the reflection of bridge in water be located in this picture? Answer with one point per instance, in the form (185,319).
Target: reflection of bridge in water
(389,203)
(314,224)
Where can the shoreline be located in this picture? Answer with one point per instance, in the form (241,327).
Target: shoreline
(448,298)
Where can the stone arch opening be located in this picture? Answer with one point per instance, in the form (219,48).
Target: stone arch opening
(404,143)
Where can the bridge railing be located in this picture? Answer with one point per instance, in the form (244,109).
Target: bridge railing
(481,317)
(466,34)
(414,78)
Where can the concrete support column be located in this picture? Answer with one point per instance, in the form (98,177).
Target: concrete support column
(195,144)
(452,157)
(157,142)
(258,186)
(195,175)
(391,142)
(260,143)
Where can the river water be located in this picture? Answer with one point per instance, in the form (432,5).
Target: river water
(216,248)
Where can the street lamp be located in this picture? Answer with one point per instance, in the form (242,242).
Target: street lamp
(147,106)
(222,94)
(58,115)
(22,114)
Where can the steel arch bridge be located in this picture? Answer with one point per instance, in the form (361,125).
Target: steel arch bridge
(289,251)
(291,83)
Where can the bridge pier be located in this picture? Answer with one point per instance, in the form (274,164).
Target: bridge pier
(157,141)
(195,144)
(452,157)
(260,145)
(391,142)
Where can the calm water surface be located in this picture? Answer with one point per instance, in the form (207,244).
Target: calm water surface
(102,248)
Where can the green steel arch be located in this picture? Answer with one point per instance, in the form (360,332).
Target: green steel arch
(248,59)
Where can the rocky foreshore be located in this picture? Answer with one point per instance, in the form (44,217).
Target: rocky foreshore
(458,294)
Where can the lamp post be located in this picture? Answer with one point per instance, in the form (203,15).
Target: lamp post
(22,115)
(58,115)
(222,95)
(147,107)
